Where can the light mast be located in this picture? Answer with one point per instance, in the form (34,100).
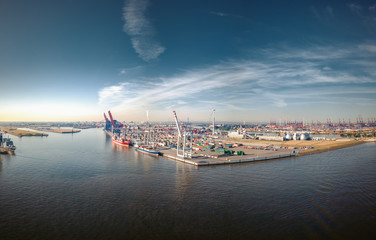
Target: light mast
(213,121)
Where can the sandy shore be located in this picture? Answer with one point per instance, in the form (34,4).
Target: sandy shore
(328,146)
(304,147)
(57,130)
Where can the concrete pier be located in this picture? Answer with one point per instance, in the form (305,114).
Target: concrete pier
(207,157)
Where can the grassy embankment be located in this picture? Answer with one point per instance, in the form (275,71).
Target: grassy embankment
(22,133)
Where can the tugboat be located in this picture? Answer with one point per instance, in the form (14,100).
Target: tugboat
(6,144)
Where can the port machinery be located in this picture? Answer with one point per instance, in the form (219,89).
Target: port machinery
(187,137)
(113,128)
(112,124)
(117,131)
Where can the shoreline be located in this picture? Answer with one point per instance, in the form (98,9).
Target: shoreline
(58,130)
(321,150)
(22,133)
(255,151)
(300,147)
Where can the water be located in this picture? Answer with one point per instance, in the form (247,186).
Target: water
(80,186)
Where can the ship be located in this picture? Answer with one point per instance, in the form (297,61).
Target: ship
(116,131)
(147,150)
(6,144)
(120,141)
(109,133)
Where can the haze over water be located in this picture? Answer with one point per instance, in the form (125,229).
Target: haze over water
(82,187)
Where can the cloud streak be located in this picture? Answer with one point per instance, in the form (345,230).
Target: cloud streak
(221,14)
(279,79)
(141,31)
(368,18)
(325,16)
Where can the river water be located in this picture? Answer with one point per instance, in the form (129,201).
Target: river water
(80,186)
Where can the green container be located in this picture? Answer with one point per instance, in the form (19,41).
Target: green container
(240,153)
(219,150)
(229,151)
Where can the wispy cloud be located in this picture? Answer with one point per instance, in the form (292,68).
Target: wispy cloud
(355,8)
(368,47)
(224,14)
(278,79)
(368,18)
(221,14)
(112,94)
(122,71)
(325,15)
(141,31)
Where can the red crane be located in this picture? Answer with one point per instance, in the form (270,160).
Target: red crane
(105,117)
(112,120)
(114,123)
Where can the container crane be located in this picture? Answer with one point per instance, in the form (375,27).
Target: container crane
(112,120)
(177,124)
(108,122)
(114,123)
(186,137)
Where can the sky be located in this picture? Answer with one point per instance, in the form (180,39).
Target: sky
(248,60)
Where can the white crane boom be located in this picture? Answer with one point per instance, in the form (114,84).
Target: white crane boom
(177,124)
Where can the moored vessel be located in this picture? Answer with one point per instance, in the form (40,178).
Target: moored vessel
(6,144)
(148,150)
(120,141)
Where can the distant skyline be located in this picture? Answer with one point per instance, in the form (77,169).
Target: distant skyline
(250,60)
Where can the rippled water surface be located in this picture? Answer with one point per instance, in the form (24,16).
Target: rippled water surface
(80,186)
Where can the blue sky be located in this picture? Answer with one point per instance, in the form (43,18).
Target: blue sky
(250,60)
